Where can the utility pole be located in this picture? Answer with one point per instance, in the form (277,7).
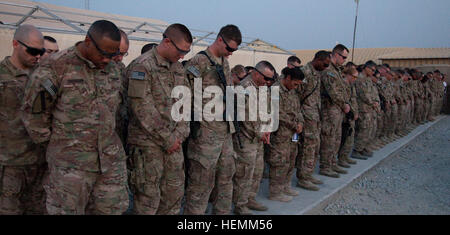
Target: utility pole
(354,29)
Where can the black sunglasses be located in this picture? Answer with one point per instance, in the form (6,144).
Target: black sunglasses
(104,53)
(343,57)
(229,49)
(33,51)
(265,77)
(180,51)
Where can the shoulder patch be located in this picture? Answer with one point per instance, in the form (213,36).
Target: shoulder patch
(49,87)
(137,75)
(194,71)
(331,74)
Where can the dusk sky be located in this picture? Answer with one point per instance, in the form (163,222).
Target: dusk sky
(300,24)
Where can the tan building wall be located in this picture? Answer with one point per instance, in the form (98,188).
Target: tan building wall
(414,62)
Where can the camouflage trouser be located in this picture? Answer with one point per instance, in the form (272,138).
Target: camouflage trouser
(258,172)
(347,146)
(418,110)
(390,120)
(402,116)
(211,165)
(72,191)
(281,161)
(245,166)
(330,135)
(157,180)
(308,151)
(380,123)
(21,190)
(411,111)
(374,125)
(429,108)
(363,131)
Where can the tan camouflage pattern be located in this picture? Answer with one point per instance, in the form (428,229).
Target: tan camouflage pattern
(308,151)
(82,133)
(159,180)
(334,84)
(210,151)
(282,151)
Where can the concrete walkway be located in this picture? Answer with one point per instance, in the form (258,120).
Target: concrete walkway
(308,200)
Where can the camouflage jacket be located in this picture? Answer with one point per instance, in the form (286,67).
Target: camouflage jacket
(210,78)
(78,115)
(151,80)
(386,89)
(366,92)
(289,116)
(333,88)
(309,92)
(16,147)
(250,129)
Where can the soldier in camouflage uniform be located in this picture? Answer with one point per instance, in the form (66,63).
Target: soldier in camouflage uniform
(368,106)
(250,138)
(22,162)
(283,144)
(309,94)
(346,146)
(335,104)
(418,92)
(391,108)
(210,147)
(157,173)
(122,115)
(71,101)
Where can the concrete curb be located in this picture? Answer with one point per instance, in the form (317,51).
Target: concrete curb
(308,200)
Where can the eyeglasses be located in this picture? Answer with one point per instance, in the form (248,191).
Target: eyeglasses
(180,51)
(104,53)
(265,77)
(343,57)
(229,49)
(33,51)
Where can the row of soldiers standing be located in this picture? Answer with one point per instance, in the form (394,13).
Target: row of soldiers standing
(64,127)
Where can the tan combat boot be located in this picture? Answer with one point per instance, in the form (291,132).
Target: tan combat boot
(328,172)
(349,161)
(289,191)
(343,163)
(314,180)
(338,170)
(280,197)
(306,185)
(242,210)
(256,206)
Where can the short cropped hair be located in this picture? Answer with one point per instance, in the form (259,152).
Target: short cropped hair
(104,28)
(231,32)
(295,73)
(177,30)
(339,48)
(50,39)
(148,47)
(293,59)
(322,55)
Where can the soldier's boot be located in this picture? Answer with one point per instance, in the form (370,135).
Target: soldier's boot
(256,206)
(338,170)
(328,172)
(314,180)
(367,153)
(343,163)
(242,210)
(302,183)
(350,161)
(358,155)
(289,191)
(280,197)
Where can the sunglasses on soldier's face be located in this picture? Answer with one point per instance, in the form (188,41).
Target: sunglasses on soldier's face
(102,52)
(180,51)
(265,77)
(33,51)
(229,49)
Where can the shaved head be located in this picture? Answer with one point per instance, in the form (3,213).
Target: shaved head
(25,33)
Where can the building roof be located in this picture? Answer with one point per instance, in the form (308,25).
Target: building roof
(377,54)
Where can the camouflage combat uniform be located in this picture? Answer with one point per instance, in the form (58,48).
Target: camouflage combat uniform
(249,136)
(157,178)
(22,162)
(348,142)
(334,97)
(282,151)
(309,93)
(210,149)
(367,94)
(85,156)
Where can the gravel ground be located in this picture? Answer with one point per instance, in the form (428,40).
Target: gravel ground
(415,180)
